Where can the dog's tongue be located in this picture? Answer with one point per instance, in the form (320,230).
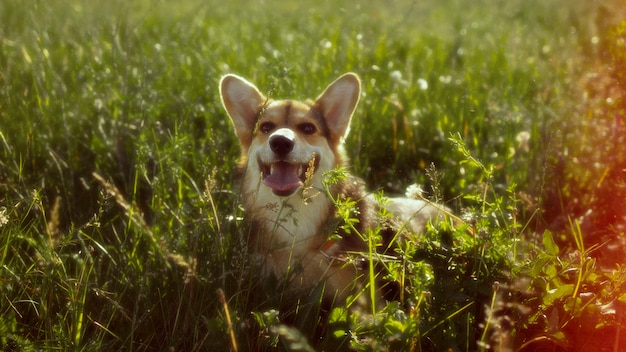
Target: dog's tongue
(284,178)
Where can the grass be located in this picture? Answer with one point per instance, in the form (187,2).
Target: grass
(119,211)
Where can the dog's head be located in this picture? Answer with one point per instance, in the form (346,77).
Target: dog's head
(289,143)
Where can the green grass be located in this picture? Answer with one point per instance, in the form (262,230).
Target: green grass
(119,212)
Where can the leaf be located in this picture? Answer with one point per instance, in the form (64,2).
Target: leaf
(560,337)
(266,319)
(340,333)
(558,293)
(293,339)
(338,314)
(549,244)
(394,327)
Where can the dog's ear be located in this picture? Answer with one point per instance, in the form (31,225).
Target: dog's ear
(338,102)
(243,101)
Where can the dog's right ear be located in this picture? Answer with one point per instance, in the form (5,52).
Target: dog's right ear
(243,101)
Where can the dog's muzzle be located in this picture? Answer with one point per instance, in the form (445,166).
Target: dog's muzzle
(284,176)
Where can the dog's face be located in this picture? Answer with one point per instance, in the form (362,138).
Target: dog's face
(289,144)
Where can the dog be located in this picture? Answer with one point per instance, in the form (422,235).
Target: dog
(288,150)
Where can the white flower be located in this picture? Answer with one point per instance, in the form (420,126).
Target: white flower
(445,79)
(522,139)
(422,84)
(396,76)
(98,104)
(3,216)
(414,191)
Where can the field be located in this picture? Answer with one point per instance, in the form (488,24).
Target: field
(120,219)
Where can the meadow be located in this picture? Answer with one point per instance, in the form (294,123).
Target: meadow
(120,218)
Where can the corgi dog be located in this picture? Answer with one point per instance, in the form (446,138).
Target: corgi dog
(288,149)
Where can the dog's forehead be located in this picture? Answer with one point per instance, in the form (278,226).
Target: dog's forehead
(287,111)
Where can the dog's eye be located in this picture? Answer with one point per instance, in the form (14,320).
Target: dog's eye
(266,127)
(307,128)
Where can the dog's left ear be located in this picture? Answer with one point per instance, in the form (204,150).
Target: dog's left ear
(338,102)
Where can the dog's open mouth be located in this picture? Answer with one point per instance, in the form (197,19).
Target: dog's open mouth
(284,178)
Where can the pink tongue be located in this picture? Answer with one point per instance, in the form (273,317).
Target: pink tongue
(284,177)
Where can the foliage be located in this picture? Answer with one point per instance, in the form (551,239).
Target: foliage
(577,304)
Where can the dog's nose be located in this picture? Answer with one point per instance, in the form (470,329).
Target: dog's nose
(282,143)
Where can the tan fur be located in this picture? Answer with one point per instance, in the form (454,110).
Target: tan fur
(292,216)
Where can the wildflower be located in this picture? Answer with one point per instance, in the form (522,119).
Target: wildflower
(445,79)
(522,139)
(469,217)
(4,219)
(396,76)
(414,191)
(98,104)
(422,84)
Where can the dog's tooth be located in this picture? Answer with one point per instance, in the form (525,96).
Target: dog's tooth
(271,169)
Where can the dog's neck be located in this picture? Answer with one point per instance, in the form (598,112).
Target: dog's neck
(305,220)
(292,222)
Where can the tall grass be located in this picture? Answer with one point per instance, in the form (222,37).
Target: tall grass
(119,210)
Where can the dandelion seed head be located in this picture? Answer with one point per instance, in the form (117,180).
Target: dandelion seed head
(414,191)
